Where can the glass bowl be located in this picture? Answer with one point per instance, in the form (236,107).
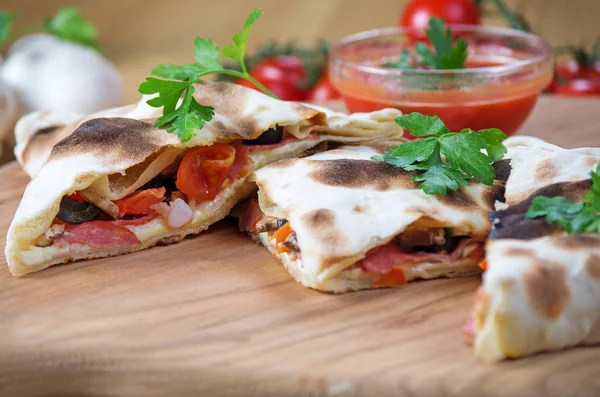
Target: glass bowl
(506,70)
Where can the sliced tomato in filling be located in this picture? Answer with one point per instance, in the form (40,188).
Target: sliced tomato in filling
(139,202)
(280,236)
(483,264)
(205,169)
(100,234)
(76,196)
(392,278)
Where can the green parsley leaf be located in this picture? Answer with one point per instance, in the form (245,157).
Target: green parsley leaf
(493,142)
(447,56)
(439,36)
(185,120)
(402,63)
(427,56)
(462,152)
(442,54)
(556,209)
(587,221)
(456,57)
(183,72)
(190,116)
(421,125)
(207,53)
(237,51)
(6,20)
(409,153)
(570,216)
(168,92)
(68,24)
(593,196)
(439,177)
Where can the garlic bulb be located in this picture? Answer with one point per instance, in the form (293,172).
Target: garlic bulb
(51,74)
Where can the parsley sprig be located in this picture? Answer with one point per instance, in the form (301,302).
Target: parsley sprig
(190,116)
(445,54)
(6,21)
(462,151)
(68,24)
(570,216)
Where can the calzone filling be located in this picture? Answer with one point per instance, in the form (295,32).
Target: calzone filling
(190,187)
(409,255)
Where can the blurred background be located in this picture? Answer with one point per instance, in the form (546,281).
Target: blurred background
(137,35)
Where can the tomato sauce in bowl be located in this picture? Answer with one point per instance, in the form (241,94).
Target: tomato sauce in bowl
(505,72)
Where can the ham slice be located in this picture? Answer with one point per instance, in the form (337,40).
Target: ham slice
(384,258)
(251,215)
(99,234)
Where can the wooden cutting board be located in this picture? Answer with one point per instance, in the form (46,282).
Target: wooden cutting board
(217,316)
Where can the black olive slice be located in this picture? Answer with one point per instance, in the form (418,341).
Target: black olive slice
(269,137)
(448,246)
(502,170)
(74,211)
(281,222)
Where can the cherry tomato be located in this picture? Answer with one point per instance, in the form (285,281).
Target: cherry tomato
(323,91)
(139,203)
(282,89)
(573,70)
(280,68)
(203,170)
(281,74)
(454,12)
(554,85)
(579,87)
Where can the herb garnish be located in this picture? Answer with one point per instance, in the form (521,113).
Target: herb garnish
(573,217)
(6,21)
(445,56)
(185,120)
(68,24)
(462,151)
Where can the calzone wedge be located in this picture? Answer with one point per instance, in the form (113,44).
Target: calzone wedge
(340,221)
(115,185)
(541,287)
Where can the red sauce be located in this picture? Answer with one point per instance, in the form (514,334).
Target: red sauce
(508,115)
(505,106)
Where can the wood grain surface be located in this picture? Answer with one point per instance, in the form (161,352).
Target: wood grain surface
(216,315)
